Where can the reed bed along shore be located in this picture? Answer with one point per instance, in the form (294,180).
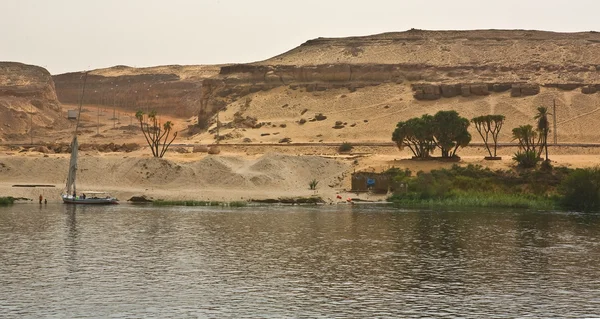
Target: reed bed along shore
(481,200)
(198,203)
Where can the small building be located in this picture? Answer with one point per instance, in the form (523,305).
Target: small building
(378,183)
(72,114)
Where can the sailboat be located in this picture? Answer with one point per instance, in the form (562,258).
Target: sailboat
(88,197)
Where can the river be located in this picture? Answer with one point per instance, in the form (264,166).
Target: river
(341,261)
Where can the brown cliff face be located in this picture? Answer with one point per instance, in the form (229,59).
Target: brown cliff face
(27,99)
(434,64)
(174,90)
(440,66)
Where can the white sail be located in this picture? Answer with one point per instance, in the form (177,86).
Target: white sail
(71,187)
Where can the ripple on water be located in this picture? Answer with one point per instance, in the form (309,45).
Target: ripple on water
(351,262)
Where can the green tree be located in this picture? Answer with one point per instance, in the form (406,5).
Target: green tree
(450,131)
(543,127)
(527,156)
(156,136)
(489,126)
(416,134)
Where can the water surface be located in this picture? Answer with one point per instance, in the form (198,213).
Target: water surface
(342,261)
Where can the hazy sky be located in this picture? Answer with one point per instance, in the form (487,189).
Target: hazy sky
(74,35)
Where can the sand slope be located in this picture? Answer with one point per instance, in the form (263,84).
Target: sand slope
(207,177)
(371,114)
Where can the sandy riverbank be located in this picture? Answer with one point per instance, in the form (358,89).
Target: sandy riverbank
(235,174)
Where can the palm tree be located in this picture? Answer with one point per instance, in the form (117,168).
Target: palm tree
(156,135)
(543,126)
(168,126)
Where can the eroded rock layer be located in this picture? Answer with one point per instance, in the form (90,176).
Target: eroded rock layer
(435,65)
(27,100)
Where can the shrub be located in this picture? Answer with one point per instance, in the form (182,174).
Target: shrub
(345,147)
(429,185)
(546,166)
(4,201)
(238,204)
(526,159)
(313,184)
(581,189)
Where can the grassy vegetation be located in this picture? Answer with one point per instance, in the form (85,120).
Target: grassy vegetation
(198,203)
(475,186)
(5,201)
(581,190)
(345,147)
(478,200)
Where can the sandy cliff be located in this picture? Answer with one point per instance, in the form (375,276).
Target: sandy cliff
(27,100)
(174,89)
(364,85)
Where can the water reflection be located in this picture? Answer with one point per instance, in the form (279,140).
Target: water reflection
(339,261)
(71,238)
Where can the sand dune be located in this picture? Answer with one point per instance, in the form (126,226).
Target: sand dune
(209,177)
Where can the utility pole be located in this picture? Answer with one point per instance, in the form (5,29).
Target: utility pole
(218,126)
(31,123)
(554,116)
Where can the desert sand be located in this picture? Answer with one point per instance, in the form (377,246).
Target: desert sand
(238,173)
(274,143)
(242,171)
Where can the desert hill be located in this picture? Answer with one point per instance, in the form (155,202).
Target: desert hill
(509,49)
(27,101)
(322,93)
(358,88)
(364,85)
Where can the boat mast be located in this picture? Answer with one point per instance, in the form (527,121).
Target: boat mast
(85,75)
(71,185)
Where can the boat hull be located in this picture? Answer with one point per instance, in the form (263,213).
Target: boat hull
(92,201)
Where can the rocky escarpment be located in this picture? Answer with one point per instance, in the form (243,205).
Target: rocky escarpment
(504,50)
(427,82)
(426,91)
(27,101)
(434,64)
(172,90)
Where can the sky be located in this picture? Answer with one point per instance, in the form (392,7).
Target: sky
(75,35)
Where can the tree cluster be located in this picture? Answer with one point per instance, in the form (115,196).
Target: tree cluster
(445,130)
(533,141)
